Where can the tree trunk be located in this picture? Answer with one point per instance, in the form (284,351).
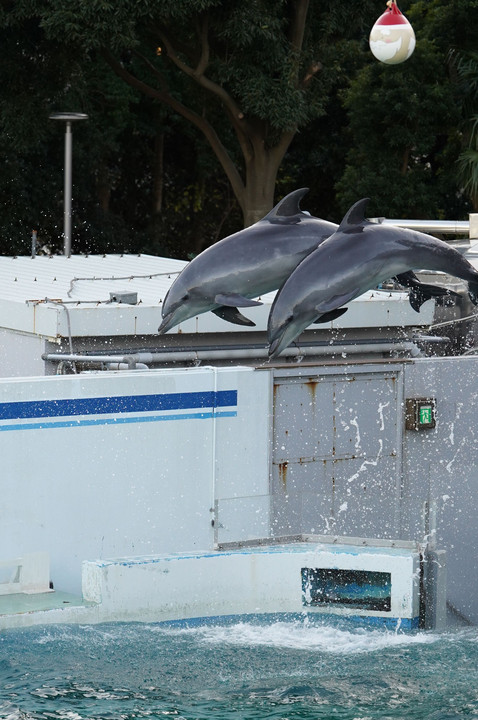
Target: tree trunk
(258,196)
(262,166)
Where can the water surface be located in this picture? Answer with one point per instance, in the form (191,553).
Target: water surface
(282,671)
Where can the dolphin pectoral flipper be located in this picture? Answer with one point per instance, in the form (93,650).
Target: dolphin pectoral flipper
(232,315)
(329,316)
(235,300)
(336,303)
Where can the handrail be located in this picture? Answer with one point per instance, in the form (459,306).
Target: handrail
(442,227)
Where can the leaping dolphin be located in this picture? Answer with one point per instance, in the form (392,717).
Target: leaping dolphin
(246,265)
(356,258)
(255,261)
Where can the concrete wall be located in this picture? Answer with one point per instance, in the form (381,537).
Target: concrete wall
(20,354)
(90,469)
(343,461)
(440,468)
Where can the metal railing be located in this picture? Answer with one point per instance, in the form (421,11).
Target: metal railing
(441,227)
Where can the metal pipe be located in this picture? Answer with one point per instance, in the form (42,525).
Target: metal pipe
(442,227)
(67,118)
(236,354)
(67,192)
(126,366)
(127,360)
(156,352)
(68,320)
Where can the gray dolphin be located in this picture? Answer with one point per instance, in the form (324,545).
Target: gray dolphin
(245,265)
(255,261)
(356,258)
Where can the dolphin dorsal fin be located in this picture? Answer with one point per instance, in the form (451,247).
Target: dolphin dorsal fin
(354,216)
(288,207)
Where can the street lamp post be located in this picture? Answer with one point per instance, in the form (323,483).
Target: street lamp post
(68,119)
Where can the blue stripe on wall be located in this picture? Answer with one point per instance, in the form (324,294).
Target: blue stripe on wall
(46,424)
(117,404)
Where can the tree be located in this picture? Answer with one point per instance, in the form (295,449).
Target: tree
(264,65)
(467,69)
(193,75)
(113,158)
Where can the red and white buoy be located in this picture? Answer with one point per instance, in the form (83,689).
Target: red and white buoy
(392,39)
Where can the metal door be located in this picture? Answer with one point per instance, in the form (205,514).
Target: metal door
(337,454)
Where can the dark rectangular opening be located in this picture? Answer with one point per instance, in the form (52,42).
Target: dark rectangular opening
(361,589)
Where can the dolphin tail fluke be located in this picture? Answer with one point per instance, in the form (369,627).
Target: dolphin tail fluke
(421,292)
(473,292)
(232,315)
(329,316)
(417,296)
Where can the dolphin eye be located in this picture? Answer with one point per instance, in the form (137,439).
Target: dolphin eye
(185,297)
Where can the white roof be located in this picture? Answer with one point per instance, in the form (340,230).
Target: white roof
(45,294)
(86,278)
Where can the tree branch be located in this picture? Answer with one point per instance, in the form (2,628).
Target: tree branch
(198,75)
(243,129)
(163,95)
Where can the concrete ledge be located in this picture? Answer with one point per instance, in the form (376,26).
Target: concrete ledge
(265,580)
(253,580)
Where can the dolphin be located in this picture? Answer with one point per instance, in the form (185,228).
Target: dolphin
(356,258)
(255,261)
(245,265)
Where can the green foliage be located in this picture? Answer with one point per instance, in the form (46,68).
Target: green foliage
(393,133)
(404,124)
(466,64)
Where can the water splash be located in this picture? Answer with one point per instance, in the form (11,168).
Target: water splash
(241,670)
(302,636)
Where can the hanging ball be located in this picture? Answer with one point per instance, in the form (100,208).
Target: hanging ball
(392,39)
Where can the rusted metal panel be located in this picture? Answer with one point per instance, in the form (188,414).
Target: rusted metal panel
(301,433)
(336,453)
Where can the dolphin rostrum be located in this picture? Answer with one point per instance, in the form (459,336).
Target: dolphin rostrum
(246,265)
(356,258)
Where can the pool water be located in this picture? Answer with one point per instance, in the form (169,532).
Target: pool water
(299,670)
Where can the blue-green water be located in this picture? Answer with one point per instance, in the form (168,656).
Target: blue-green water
(283,671)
